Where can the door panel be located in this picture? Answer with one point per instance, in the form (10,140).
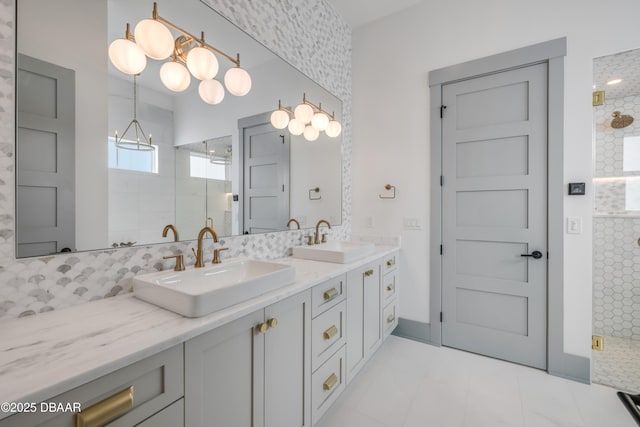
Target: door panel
(45,201)
(494,136)
(266,178)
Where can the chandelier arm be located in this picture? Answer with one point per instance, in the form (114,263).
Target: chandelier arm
(159,18)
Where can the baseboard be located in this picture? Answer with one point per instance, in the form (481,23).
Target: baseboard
(413,330)
(572,367)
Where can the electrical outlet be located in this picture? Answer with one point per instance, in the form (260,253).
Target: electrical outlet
(597,343)
(368,221)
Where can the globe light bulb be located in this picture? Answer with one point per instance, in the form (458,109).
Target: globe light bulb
(304,113)
(311,133)
(154,38)
(333,129)
(279,119)
(202,63)
(127,56)
(211,91)
(320,121)
(237,81)
(296,127)
(175,76)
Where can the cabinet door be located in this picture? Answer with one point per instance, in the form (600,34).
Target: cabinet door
(223,375)
(287,363)
(372,310)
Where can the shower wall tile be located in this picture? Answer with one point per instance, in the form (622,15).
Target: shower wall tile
(308,34)
(616,253)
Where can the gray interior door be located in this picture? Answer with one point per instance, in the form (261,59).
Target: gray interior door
(266,178)
(45,200)
(494,136)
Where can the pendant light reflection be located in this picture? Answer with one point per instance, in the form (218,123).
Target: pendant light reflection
(190,56)
(305,113)
(140,142)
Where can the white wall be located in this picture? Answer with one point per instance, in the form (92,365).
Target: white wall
(391,61)
(62,18)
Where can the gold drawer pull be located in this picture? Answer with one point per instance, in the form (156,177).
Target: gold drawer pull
(391,318)
(105,410)
(330,294)
(330,382)
(262,328)
(368,273)
(330,333)
(390,287)
(391,262)
(272,323)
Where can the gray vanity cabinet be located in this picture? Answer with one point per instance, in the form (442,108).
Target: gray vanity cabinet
(364,331)
(254,371)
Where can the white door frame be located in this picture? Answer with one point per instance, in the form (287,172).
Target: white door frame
(552,52)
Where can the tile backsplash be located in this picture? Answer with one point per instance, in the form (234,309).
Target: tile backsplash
(310,35)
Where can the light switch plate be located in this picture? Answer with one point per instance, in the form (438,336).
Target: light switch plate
(412,223)
(574,225)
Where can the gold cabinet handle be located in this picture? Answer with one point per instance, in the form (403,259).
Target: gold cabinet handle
(262,328)
(272,323)
(330,382)
(391,318)
(368,273)
(103,411)
(390,288)
(391,262)
(330,333)
(330,294)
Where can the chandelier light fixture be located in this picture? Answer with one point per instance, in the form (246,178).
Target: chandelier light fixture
(306,119)
(141,142)
(188,56)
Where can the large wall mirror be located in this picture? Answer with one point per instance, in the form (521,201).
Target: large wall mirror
(220,165)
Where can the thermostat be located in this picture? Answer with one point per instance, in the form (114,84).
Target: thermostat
(577,189)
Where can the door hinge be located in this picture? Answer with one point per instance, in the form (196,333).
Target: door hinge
(441,250)
(441,180)
(283,188)
(282,136)
(441,317)
(442,108)
(597,342)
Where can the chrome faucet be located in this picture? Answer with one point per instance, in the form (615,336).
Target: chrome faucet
(172,228)
(199,257)
(317,239)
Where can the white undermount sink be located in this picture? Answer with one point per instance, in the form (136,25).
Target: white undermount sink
(197,292)
(338,251)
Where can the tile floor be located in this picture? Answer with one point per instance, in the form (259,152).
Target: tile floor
(618,365)
(409,384)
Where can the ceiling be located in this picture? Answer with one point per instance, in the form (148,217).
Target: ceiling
(361,12)
(625,66)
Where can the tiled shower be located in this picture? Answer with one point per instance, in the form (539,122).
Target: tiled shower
(616,223)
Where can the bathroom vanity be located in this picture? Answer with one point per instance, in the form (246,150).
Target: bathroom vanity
(280,359)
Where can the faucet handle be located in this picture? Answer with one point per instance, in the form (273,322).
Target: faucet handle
(216,255)
(310,240)
(179,261)
(324,237)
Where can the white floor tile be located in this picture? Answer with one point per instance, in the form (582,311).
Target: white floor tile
(409,384)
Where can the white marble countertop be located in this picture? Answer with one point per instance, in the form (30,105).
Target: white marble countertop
(48,354)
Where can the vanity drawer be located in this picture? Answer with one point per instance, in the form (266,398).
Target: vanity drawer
(157,382)
(389,285)
(327,331)
(390,318)
(327,294)
(171,416)
(327,383)
(390,262)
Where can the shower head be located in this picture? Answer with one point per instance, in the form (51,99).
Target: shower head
(620,120)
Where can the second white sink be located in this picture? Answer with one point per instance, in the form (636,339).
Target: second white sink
(200,291)
(338,251)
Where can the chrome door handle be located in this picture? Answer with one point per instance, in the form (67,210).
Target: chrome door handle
(534,255)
